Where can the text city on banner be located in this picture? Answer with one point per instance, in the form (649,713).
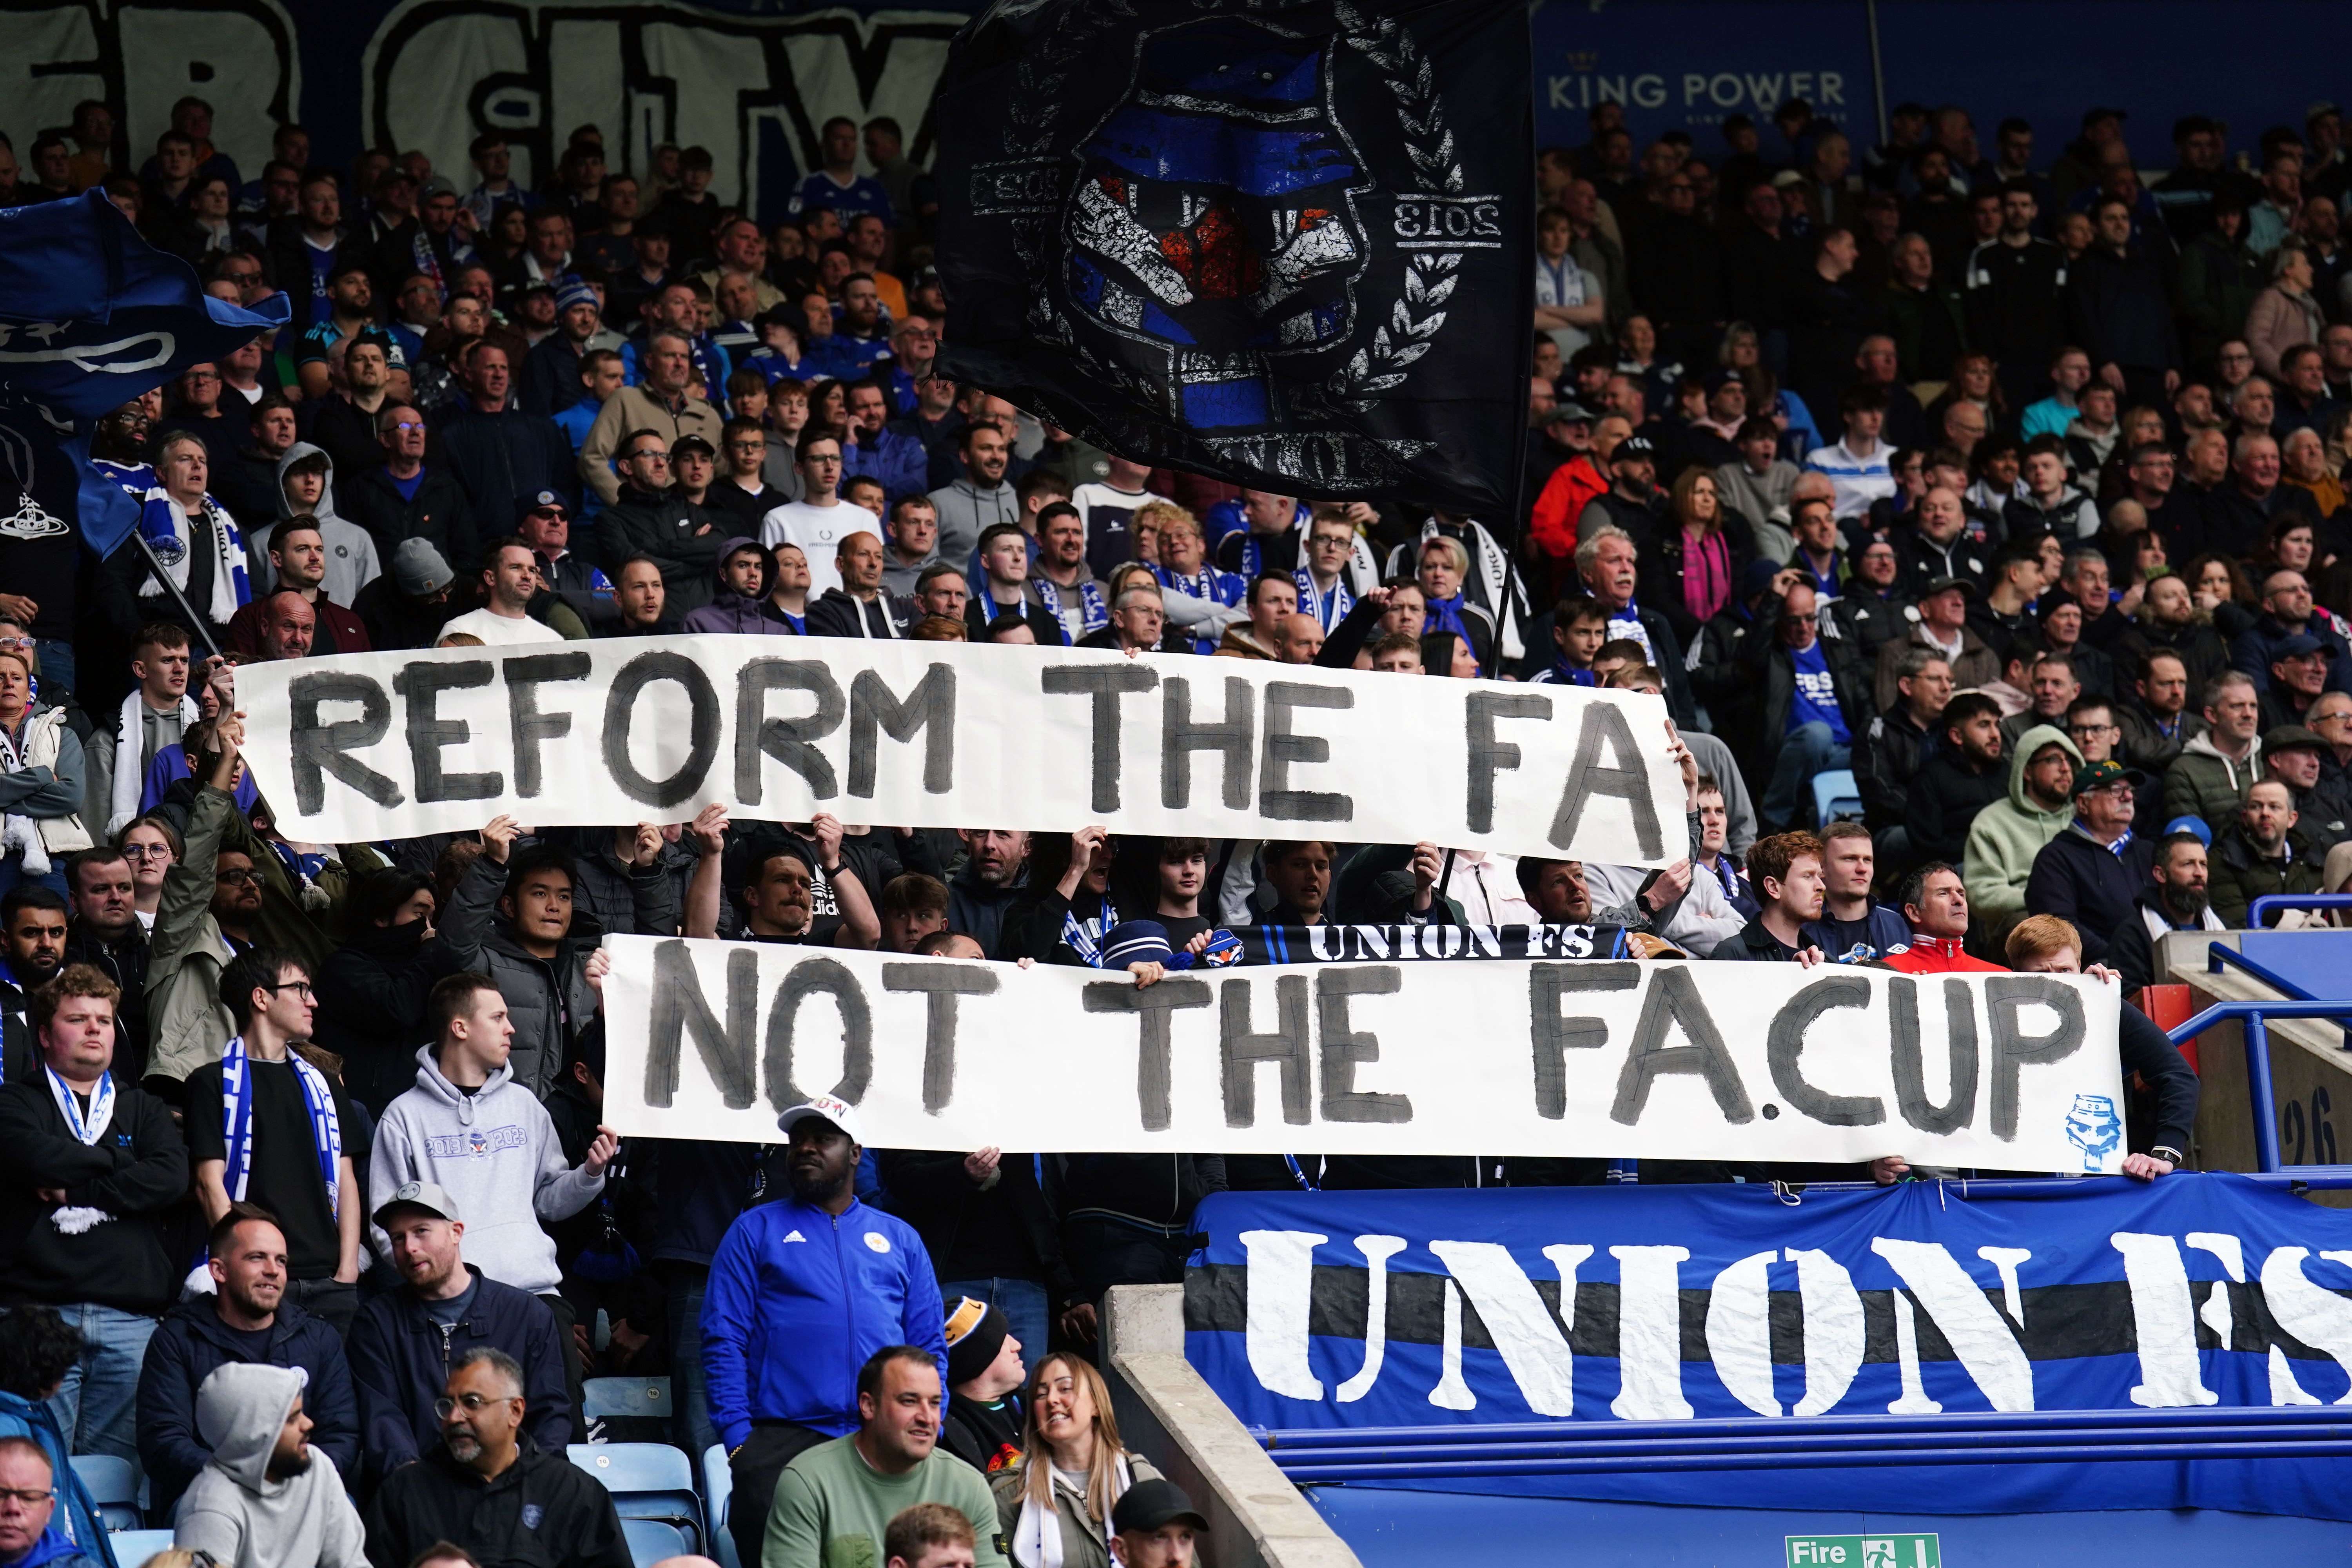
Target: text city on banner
(365,746)
(1506,1058)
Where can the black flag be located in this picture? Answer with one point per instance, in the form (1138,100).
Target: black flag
(1284,243)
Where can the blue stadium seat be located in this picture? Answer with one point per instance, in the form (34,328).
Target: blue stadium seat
(132,1547)
(606,1396)
(647,1481)
(114,1486)
(1836,795)
(651,1541)
(718,1486)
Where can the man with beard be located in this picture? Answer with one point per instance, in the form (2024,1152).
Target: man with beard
(488,1488)
(794,889)
(2174,900)
(247,1319)
(786,1327)
(266,1500)
(995,870)
(32,948)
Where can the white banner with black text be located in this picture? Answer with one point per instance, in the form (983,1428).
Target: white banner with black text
(365,746)
(1509,1058)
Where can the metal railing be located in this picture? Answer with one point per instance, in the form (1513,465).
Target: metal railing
(1378,1454)
(2269,902)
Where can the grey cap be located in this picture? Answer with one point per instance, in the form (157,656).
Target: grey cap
(426,1195)
(418,569)
(437,185)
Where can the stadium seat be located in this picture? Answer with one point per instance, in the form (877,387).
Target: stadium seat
(647,1481)
(604,1396)
(718,1485)
(1836,796)
(651,1541)
(132,1547)
(114,1486)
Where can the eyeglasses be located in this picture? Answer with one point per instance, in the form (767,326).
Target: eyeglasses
(26,1496)
(445,1407)
(146,852)
(662,458)
(2094,729)
(300,987)
(238,873)
(22,644)
(196,375)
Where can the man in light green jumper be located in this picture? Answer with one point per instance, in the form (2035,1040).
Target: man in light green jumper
(835,1501)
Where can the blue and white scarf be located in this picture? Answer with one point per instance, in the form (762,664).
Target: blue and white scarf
(1210,586)
(88,1131)
(1086,944)
(1328,612)
(1094,613)
(171,536)
(236,1119)
(1627,624)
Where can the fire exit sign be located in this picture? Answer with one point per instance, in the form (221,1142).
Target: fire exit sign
(1865,1552)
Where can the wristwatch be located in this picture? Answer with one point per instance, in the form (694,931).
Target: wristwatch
(2169,1156)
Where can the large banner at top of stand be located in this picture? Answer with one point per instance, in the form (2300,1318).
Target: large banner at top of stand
(365,746)
(1606,1305)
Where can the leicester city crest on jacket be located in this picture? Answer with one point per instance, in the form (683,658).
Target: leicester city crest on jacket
(1276,241)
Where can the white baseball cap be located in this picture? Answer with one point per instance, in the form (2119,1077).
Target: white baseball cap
(829,1107)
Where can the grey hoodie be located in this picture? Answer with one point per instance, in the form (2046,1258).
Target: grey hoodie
(350,551)
(496,1152)
(235,1511)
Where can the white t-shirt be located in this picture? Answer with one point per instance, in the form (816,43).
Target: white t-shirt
(1565,283)
(500,631)
(818,530)
(1106,510)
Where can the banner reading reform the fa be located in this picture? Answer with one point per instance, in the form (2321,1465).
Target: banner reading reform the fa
(364,746)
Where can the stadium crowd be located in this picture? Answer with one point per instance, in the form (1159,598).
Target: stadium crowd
(2008,483)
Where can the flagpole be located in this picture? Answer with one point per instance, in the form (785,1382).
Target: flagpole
(198,624)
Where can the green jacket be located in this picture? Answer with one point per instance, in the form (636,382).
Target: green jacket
(2241,873)
(2008,834)
(1083,1543)
(2202,781)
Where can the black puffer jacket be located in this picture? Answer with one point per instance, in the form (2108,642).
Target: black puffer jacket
(371,994)
(679,537)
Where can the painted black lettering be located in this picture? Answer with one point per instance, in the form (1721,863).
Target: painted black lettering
(1154,1074)
(421,684)
(1106,684)
(941,985)
(1910,1064)
(809,977)
(1627,778)
(1343,1048)
(323,749)
(728,1051)
(1275,798)
(525,675)
(1673,999)
(930,708)
(1488,756)
(792,742)
(702,728)
(1552,1034)
(2006,998)
(1785,1043)
(1285,1045)
(1180,738)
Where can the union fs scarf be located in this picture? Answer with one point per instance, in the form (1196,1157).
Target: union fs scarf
(1095,614)
(88,1129)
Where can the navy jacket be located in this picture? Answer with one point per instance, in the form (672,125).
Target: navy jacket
(1880,931)
(189,1343)
(401,1360)
(2083,882)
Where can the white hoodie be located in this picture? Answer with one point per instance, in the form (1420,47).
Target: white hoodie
(494,1152)
(234,1510)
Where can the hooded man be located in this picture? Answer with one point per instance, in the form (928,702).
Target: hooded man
(268,1499)
(306,486)
(2008,834)
(739,604)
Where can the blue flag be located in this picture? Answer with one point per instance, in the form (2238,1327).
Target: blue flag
(92,316)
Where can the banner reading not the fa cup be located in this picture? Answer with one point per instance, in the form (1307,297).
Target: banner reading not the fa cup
(1284,244)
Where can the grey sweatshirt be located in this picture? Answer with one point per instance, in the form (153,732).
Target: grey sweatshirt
(235,1511)
(496,1152)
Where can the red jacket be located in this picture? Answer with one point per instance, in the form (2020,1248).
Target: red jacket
(1565,494)
(1939,956)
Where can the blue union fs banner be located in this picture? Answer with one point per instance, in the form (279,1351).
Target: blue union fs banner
(1283,244)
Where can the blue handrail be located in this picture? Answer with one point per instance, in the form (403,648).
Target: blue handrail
(2256,1015)
(2272,901)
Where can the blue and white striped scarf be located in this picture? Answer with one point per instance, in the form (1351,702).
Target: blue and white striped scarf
(237,1118)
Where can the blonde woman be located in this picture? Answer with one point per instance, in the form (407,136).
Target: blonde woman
(1054,1510)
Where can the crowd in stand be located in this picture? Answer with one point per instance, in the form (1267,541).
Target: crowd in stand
(2011,484)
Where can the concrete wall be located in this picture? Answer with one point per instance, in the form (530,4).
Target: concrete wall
(2311,1076)
(1168,1413)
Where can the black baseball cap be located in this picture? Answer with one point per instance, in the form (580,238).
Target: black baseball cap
(1148,1505)
(1632,447)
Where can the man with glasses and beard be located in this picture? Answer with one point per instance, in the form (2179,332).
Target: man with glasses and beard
(489,1487)
(787,1324)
